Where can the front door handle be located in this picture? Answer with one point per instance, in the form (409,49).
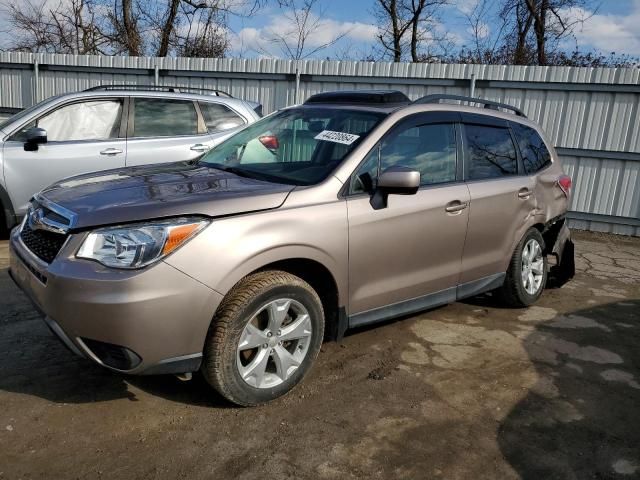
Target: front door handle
(111,151)
(524,193)
(455,206)
(199,147)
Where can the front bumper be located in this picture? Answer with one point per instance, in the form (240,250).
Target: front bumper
(148,321)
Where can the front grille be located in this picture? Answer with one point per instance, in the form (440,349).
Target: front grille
(43,244)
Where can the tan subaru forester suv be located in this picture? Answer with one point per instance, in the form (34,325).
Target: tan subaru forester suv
(351,209)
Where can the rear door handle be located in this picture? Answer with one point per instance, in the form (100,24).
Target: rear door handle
(111,151)
(455,206)
(199,147)
(524,193)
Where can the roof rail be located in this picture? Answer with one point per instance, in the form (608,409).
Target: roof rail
(437,98)
(160,88)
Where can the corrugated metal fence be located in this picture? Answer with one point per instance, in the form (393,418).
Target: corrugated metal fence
(592,115)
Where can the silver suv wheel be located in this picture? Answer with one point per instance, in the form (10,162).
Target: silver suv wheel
(274,343)
(532,266)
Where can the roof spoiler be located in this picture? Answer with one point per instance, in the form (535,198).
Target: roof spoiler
(255,106)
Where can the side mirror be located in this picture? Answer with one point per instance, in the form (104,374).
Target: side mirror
(34,137)
(396,180)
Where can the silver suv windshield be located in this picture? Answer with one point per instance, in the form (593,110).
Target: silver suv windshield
(297,146)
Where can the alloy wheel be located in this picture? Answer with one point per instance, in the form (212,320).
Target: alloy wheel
(274,343)
(532,267)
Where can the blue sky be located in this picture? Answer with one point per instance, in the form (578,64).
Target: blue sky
(613,26)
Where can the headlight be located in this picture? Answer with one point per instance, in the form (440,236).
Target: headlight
(139,245)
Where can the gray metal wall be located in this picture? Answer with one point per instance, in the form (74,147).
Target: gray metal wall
(592,115)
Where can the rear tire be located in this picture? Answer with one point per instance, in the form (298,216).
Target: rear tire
(264,338)
(527,272)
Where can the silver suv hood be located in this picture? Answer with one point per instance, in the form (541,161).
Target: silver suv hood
(156,191)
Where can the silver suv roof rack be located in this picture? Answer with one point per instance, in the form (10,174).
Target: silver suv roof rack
(437,98)
(160,88)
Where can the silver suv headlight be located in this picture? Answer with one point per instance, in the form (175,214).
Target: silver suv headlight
(139,245)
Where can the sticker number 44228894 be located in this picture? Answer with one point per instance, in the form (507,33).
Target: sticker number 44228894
(337,137)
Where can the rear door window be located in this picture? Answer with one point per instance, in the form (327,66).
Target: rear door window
(490,152)
(535,154)
(160,117)
(219,117)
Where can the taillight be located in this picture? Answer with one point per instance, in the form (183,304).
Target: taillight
(269,141)
(564,182)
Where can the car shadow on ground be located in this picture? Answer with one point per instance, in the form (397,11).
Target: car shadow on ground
(581,419)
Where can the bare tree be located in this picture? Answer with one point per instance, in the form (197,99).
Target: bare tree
(539,26)
(124,27)
(203,35)
(125,34)
(302,38)
(406,22)
(486,29)
(67,27)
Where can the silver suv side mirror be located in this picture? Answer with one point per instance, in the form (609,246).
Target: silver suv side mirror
(34,137)
(396,180)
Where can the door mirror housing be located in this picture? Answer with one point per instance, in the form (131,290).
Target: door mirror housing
(396,180)
(399,180)
(34,137)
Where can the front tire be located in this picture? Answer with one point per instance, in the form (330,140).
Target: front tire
(527,273)
(264,338)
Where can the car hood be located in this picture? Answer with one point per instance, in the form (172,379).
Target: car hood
(155,191)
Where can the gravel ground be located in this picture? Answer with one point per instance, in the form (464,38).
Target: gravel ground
(467,391)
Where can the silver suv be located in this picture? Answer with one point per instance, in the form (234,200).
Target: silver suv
(351,209)
(109,127)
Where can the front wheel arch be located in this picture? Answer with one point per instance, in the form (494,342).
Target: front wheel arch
(8,217)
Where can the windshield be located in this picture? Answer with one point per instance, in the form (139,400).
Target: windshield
(25,112)
(297,146)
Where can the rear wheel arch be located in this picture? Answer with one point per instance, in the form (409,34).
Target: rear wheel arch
(514,291)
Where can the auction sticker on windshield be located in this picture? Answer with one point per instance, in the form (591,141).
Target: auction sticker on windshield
(337,137)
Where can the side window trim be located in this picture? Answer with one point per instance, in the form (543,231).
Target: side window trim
(412,121)
(460,157)
(520,162)
(124,120)
(202,126)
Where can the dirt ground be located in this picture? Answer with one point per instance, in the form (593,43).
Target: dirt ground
(467,391)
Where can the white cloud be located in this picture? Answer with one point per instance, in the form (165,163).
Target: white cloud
(466,7)
(261,39)
(608,32)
